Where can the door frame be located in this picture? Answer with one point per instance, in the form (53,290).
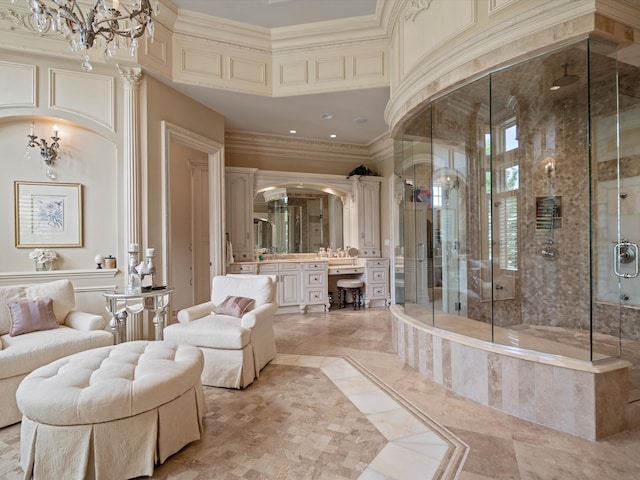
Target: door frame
(215,154)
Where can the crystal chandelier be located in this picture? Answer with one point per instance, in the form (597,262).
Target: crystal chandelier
(119,25)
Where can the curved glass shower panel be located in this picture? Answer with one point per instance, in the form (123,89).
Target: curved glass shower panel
(417,214)
(540,211)
(520,196)
(461,160)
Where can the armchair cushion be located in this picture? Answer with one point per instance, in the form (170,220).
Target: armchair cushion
(60,291)
(8,294)
(258,287)
(213,331)
(31,316)
(233,306)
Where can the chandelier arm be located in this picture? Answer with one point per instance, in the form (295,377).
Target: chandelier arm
(64,11)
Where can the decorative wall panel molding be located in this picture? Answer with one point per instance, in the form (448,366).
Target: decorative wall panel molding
(294,74)
(156,53)
(329,69)
(247,70)
(368,65)
(201,63)
(69,90)
(17,85)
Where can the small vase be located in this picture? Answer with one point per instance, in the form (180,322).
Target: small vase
(44,266)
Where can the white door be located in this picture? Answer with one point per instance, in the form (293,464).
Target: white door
(200,237)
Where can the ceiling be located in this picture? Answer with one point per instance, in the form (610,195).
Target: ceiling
(357,115)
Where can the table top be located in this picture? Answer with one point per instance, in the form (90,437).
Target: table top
(145,293)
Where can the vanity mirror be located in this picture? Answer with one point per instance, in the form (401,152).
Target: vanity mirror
(297,220)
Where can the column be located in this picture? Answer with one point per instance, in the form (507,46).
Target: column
(131,77)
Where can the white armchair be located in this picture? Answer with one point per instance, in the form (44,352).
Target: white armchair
(235,348)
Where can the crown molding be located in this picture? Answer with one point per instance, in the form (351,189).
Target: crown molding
(482,52)
(331,33)
(296,148)
(626,12)
(381,149)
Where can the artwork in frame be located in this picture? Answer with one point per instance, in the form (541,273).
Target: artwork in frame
(48,214)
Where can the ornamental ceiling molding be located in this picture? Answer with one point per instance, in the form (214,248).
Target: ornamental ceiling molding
(414,8)
(19,21)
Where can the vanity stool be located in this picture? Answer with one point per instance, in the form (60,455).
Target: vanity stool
(355,287)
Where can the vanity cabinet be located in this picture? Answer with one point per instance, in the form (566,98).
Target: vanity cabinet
(239,211)
(376,279)
(287,281)
(314,285)
(302,285)
(367,211)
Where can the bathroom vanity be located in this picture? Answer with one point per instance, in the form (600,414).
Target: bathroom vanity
(308,284)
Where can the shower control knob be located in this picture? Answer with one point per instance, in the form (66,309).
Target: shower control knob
(624,297)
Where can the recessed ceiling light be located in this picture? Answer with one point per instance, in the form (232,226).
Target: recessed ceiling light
(327,116)
(293,131)
(359,120)
(333,135)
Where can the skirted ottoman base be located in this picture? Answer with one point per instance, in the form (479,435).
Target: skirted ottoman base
(111,412)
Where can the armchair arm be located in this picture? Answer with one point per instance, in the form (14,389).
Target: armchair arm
(85,321)
(262,313)
(190,314)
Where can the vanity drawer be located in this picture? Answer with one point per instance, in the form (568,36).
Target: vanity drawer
(378,291)
(314,295)
(312,279)
(287,267)
(268,268)
(243,268)
(378,263)
(377,275)
(314,266)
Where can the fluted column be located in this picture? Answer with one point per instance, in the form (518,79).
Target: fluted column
(131,77)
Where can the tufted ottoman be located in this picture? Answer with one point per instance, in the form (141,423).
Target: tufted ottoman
(111,412)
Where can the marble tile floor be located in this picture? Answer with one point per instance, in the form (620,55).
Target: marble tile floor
(312,414)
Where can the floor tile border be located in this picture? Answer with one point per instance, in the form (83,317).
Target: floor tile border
(453,461)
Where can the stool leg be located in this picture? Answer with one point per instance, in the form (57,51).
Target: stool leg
(340,298)
(356,298)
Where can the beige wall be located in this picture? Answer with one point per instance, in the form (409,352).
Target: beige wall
(92,152)
(161,103)
(88,156)
(301,164)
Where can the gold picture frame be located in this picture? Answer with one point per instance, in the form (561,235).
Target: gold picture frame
(48,214)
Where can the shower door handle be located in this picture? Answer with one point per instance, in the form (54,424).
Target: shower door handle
(625,252)
(420,254)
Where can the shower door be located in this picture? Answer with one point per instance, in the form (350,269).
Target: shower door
(615,130)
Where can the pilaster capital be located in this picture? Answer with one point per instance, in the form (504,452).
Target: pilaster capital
(130,76)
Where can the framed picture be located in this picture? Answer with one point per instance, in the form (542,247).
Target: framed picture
(48,214)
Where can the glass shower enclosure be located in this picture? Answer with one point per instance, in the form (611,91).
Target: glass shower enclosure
(518,205)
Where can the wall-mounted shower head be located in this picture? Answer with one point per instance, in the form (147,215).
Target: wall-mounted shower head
(565,80)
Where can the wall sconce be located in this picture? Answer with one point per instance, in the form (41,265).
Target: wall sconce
(49,153)
(549,166)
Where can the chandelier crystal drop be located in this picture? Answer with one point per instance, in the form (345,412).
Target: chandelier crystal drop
(117,25)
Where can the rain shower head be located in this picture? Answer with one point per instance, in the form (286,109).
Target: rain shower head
(565,80)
